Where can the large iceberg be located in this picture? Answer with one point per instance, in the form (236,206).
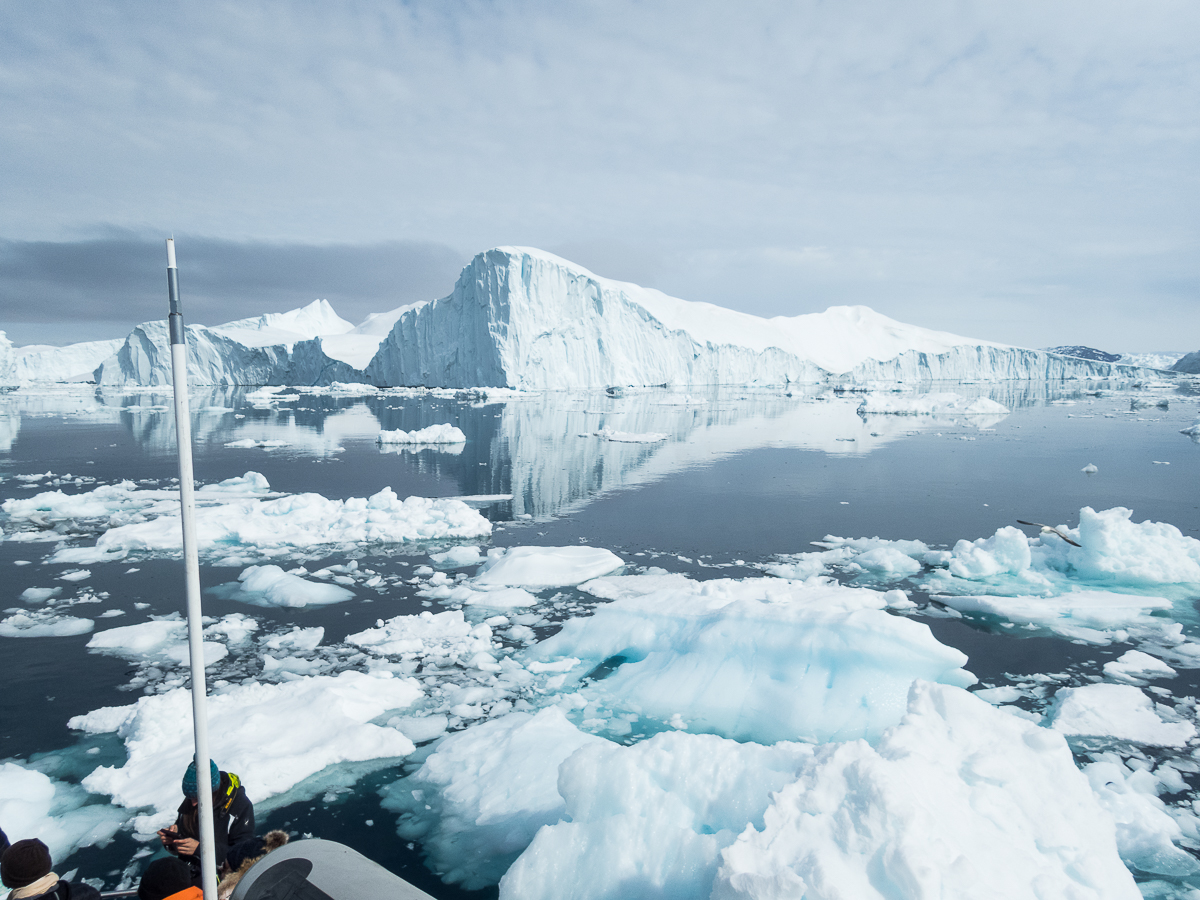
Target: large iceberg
(523,318)
(277,348)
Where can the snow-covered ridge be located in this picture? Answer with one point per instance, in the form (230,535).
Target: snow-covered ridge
(525,319)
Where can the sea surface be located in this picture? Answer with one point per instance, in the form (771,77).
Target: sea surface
(738,477)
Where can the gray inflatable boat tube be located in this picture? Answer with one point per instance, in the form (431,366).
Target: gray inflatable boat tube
(321,870)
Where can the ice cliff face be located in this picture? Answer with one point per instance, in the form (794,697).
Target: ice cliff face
(278,348)
(216,359)
(525,319)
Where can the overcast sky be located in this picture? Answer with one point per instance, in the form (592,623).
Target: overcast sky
(1025,172)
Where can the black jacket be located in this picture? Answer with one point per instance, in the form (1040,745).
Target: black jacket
(64,890)
(233,819)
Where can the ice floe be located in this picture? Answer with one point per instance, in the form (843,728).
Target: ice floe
(266,733)
(61,815)
(270,585)
(42,623)
(759,659)
(1117,711)
(476,803)
(539,567)
(434,434)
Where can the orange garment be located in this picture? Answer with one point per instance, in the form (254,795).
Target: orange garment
(192,893)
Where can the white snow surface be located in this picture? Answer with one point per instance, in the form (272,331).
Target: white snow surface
(1119,711)
(163,641)
(1135,667)
(542,567)
(760,659)
(266,733)
(958,800)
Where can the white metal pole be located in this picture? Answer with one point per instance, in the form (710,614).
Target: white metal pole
(191,564)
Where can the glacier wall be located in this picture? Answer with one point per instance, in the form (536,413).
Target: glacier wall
(525,319)
(144,359)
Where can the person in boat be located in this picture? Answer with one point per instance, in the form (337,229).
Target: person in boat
(168,879)
(233,820)
(26,867)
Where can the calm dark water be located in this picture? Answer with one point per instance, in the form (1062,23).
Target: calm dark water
(743,476)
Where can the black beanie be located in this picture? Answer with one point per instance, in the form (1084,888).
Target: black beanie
(24,863)
(165,877)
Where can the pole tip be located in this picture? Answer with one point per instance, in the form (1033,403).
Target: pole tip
(171,253)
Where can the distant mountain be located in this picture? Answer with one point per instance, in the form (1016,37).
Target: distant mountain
(1085,353)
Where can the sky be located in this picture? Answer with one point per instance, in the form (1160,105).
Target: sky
(1022,172)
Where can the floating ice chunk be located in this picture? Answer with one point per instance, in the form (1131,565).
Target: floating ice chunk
(43,623)
(236,628)
(546,566)
(1089,469)
(457,557)
(1118,551)
(505,598)
(435,434)
(476,803)
(886,563)
(650,820)
(159,640)
(1092,616)
(1135,666)
(627,437)
(250,444)
(271,586)
(958,800)
(34,805)
(75,575)
(1004,553)
(445,636)
(760,659)
(303,640)
(39,595)
(302,522)
(1146,832)
(420,729)
(998,695)
(1117,711)
(266,733)
(615,587)
(931,404)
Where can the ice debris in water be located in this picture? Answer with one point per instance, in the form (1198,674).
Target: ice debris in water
(271,586)
(293,524)
(1135,666)
(759,659)
(628,437)
(161,641)
(266,733)
(1089,469)
(434,434)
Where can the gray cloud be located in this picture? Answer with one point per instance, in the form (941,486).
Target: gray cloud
(56,292)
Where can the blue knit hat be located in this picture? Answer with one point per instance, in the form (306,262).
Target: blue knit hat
(189,779)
